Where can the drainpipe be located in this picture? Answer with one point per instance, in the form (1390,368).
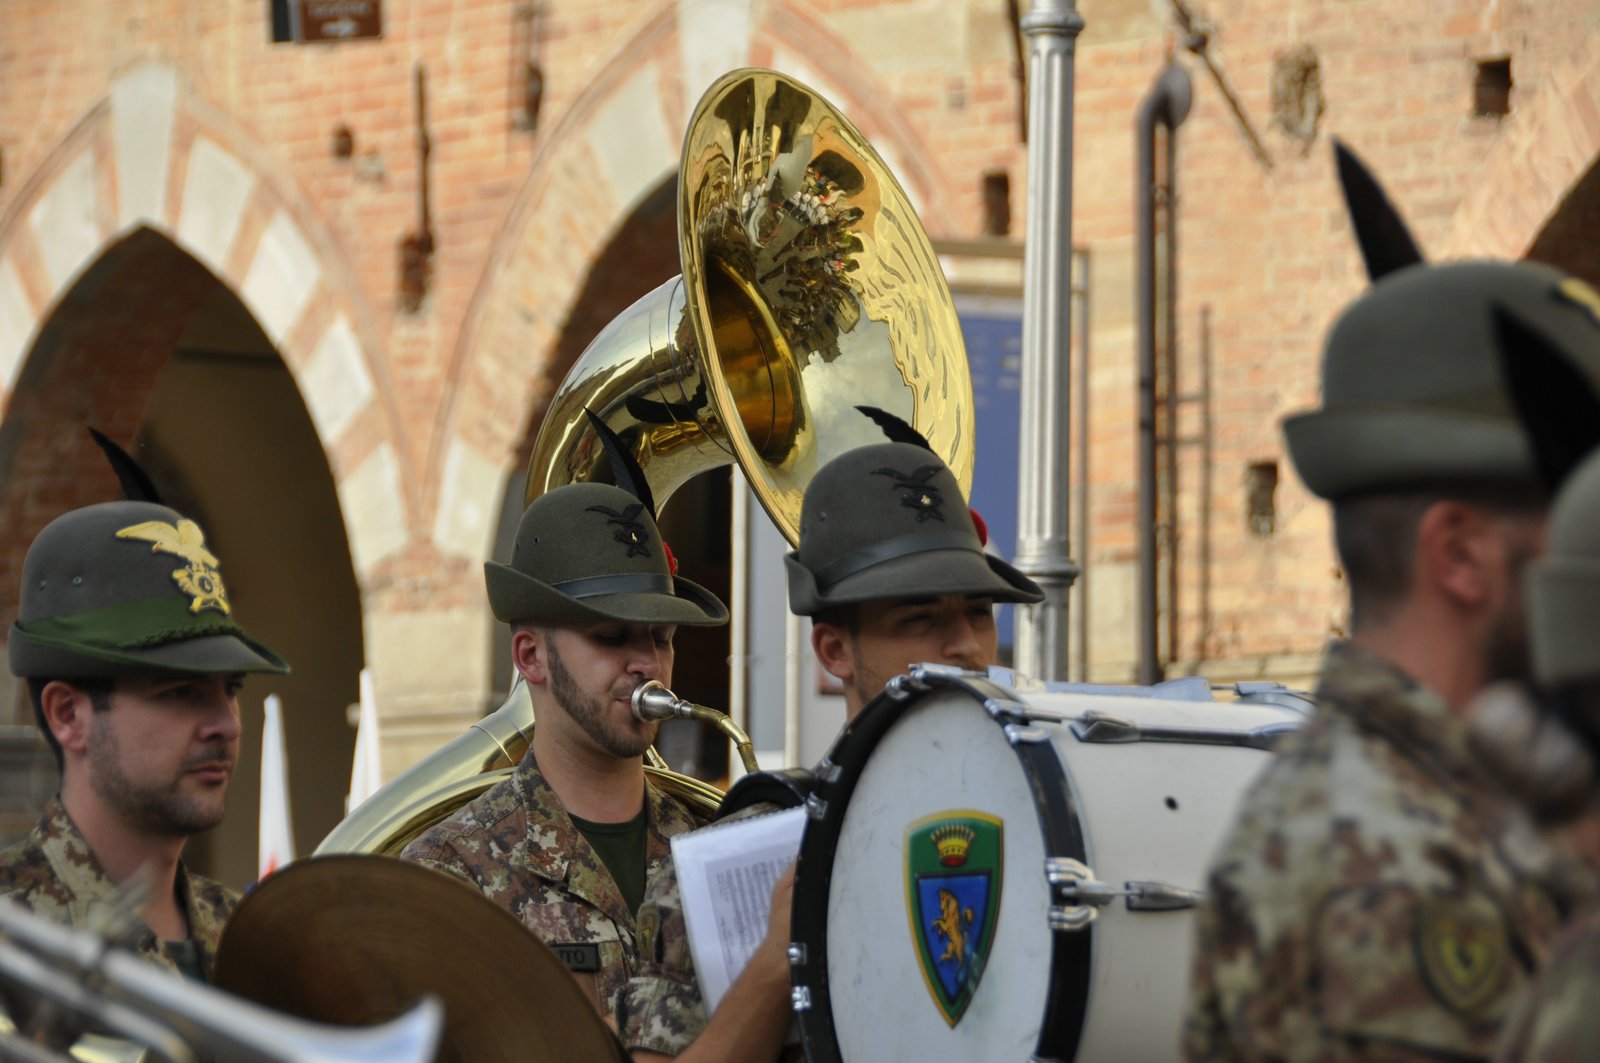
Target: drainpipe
(1167,105)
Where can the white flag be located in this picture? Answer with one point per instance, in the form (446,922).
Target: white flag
(366,776)
(277,832)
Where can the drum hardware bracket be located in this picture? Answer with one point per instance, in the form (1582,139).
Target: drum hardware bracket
(1019,735)
(828,771)
(816,808)
(1074,883)
(797,953)
(800,998)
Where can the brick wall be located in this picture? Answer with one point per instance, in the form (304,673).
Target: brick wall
(193,125)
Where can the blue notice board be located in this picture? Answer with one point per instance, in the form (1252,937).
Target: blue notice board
(992,329)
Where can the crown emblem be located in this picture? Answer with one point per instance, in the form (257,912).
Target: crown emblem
(953,840)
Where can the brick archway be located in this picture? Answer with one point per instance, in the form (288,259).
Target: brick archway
(616,143)
(1535,165)
(151,158)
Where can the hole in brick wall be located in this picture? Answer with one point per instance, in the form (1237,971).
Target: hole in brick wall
(1261,488)
(1491,90)
(344,142)
(279,21)
(996,203)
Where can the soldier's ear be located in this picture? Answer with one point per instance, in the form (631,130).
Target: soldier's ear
(1457,547)
(68,712)
(832,648)
(530,649)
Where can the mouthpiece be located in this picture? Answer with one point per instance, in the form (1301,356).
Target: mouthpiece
(653,701)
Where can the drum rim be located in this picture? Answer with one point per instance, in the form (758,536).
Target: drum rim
(1071,952)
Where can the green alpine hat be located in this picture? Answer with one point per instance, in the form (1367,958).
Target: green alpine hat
(589,552)
(889,521)
(127,588)
(1412,389)
(1564,585)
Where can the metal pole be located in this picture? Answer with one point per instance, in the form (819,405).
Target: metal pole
(1052,28)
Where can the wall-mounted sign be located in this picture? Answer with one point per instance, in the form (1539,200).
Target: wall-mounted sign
(340,20)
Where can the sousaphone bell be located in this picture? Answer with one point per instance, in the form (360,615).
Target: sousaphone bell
(808,288)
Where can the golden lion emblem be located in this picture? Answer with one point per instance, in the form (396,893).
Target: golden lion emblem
(952,925)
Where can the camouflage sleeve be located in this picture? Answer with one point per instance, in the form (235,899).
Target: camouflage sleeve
(443,858)
(1205,1034)
(660,1009)
(1558,1021)
(1398,974)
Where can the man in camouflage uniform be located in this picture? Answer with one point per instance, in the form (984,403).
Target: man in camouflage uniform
(1556,763)
(891,569)
(134,661)
(1379,897)
(569,842)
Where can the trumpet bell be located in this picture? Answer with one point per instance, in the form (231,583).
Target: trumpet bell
(808,288)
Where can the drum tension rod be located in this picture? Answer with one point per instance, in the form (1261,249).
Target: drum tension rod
(1075,884)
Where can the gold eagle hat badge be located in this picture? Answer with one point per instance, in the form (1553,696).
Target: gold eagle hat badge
(184,540)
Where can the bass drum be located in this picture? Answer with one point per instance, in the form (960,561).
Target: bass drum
(1004,877)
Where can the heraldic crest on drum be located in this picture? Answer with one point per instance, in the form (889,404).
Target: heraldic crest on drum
(953,862)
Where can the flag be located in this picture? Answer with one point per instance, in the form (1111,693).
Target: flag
(365,774)
(277,832)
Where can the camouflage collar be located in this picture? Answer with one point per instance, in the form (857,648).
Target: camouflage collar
(1379,697)
(558,852)
(91,899)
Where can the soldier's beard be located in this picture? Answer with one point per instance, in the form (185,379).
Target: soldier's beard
(1506,652)
(162,809)
(625,741)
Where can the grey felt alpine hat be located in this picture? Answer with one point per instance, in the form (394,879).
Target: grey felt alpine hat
(1564,585)
(1413,392)
(126,588)
(889,521)
(592,552)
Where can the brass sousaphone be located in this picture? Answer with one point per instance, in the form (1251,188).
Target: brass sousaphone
(808,288)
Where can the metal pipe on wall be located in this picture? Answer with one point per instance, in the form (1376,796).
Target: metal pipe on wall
(1167,105)
(1052,28)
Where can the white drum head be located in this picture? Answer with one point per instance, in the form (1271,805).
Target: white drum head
(940,764)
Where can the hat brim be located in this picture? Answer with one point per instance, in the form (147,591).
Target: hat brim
(930,572)
(515,596)
(35,657)
(1339,453)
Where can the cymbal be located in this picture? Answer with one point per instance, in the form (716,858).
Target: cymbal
(358,939)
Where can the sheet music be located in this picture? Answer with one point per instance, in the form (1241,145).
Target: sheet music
(725,878)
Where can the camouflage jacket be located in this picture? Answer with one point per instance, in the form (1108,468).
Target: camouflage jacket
(517,844)
(1377,897)
(53,873)
(1558,1021)
(661,1009)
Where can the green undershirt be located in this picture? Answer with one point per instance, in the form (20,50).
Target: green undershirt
(621,847)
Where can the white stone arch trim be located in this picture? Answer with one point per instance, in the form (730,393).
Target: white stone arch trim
(1551,142)
(149,156)
(622,138)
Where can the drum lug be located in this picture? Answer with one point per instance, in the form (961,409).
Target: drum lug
(1072,881)
(1018,735)
(800,998)
(816,808)
(828,771)
(797,954)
